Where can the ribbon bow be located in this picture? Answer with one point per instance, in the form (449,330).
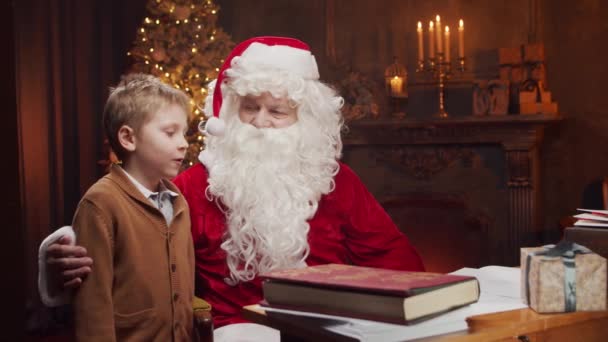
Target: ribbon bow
(567,250)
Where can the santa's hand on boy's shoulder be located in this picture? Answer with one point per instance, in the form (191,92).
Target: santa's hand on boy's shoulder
(70,263)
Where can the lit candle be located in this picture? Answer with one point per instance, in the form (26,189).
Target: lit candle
(447,44)
(439,33)
(461,39)
(420,46)
(396,85)
(431,40)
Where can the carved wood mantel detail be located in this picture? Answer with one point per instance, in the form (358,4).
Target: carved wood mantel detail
(423,163)
(408,143)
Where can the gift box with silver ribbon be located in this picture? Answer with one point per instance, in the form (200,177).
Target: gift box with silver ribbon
(563,278)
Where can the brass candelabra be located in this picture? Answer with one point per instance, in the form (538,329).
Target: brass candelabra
(440,71)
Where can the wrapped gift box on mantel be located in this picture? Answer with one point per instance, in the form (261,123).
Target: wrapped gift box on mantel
(524,68)
(534,97)
(563,278)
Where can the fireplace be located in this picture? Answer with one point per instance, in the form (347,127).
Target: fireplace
(447,234)
(464,190)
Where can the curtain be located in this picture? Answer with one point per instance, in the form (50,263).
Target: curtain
(67,54)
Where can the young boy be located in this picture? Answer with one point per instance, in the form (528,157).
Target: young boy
(135,223)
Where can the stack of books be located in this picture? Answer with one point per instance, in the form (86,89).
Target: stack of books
(368,293)
(592,218)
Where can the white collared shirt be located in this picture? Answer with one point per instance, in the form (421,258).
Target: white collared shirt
(162,200)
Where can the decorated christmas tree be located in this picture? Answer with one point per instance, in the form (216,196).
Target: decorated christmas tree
(180,43)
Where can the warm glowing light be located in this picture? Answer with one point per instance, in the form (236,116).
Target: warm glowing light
(461,24)
(166,74)
(420,25)
(194,50)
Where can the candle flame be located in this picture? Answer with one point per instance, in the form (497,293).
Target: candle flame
(461,23)
(438,18)
(420,25)
(431,24)
(447,29)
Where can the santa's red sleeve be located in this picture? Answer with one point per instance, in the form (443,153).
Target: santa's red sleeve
(372,239)
(193,184)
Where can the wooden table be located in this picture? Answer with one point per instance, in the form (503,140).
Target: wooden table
(516,325)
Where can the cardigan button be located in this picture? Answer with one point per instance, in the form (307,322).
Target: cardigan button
(173,267)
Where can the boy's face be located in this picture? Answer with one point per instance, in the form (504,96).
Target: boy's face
(266,111)
(161,145)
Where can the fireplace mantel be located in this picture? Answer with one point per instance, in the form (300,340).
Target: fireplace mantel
(508,130)
(517,135)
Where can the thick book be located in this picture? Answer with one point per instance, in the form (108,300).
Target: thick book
(596,239)
(592,218)
(369,293)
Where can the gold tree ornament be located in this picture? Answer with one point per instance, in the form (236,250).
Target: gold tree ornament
(179,42)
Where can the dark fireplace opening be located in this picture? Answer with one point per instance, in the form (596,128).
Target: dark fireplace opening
(446,232)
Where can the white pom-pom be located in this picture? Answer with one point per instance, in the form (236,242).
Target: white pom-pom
(215,126)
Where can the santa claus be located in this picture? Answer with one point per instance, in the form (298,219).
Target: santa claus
(270,192)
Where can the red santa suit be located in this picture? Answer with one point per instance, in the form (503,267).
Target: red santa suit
(349,226)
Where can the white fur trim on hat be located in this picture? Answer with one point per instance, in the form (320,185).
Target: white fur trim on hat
(298,61)
(64,296)
(215,126)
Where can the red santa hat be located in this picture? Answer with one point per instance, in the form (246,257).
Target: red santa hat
(282,53)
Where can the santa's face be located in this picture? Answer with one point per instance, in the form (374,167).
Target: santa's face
(270,181)
(266,111)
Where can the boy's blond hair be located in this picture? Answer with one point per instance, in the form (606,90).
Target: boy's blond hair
(133,101)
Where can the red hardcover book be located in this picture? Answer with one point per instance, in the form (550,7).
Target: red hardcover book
(368,293)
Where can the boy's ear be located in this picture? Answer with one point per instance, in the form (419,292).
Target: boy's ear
(126,138)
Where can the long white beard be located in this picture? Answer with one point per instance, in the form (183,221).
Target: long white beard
(271,181)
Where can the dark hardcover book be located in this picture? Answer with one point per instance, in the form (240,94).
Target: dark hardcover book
(596,239)
(369,293)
